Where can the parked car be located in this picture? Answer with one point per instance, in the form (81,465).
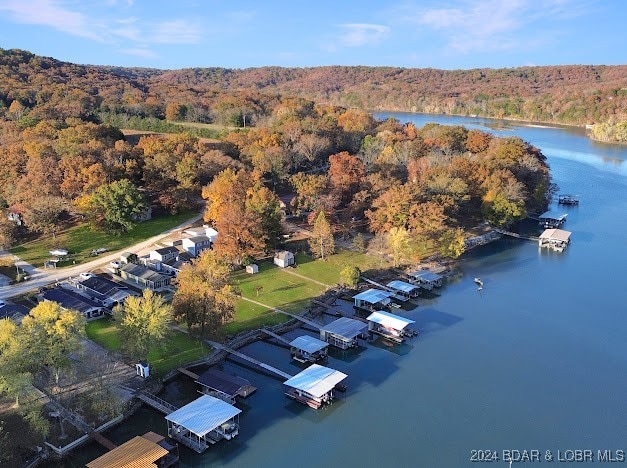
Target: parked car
(2,303)
(115,264)
(86,275)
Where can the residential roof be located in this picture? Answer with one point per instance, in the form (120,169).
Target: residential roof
(283,254)
(346,327)
(167,250)
(309,344)
(197,231)
(139,452)
(197,239)
(203,415)
(143,272)
(222,382)
(14,311)
(425,275)
(374,296)
(389,320)
(70,300)
(403,286)
(102,285)
(556,234)
(553,215)
(316,380)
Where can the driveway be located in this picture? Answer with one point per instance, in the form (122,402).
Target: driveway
(41,277)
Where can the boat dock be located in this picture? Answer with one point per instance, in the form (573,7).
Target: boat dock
(157,403)
(258,363)
(516,235)
(279,338)
(188,373)
(379,285)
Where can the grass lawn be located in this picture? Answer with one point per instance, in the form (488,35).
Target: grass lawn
(81,240)
(179,350)
(328,271)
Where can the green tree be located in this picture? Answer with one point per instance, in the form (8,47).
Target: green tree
(52,334)
(398,243)
(359,243)
(321,241)
(350,275)
(205,298)
(452,243)
(144,322)
(117,206)
(15,362)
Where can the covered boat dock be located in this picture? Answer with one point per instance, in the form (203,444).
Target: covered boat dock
(343,332)
(426,279)
(390,326)
(403,290)
(372,299)
(224,386)
(306,348)
(149,450)
(203,422)
(556,239)
(551,219)
(314,386)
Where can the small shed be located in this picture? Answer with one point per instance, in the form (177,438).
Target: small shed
(389,325)
(403,290)
(426,279)
(373,299)
(203,422)
(224,386)
(284,258)
(314,386)
(252,268)
(550,219)
(142,369)
(556,239)
(343,332)
(306,348)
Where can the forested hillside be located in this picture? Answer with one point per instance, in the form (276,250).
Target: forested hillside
(576,94)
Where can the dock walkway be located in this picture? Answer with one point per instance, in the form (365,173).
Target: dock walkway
(258,363)
(188,373)
(516,235)
(157,403)
(275,336)
(276,309)
(374,283)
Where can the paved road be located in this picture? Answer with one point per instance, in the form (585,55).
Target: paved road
(41,277)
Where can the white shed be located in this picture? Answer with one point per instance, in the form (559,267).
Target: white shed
(252,268)
(284,258)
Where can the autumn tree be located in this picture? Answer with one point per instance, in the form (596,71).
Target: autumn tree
(52,334)
(44,213)
(346,173)
(398,244)
(205,298)
(15,364)
(350,275)
(144,322)
(117,206)
(7,231)
(321,242)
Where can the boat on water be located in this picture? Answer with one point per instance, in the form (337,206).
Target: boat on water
(479,283)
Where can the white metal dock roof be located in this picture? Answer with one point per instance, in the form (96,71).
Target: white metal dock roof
(374,296)
(553,215)
(316,380)
(345,327)
(556,234)
(425,275)
(203,415)
(398,285)
(309,343)
(389,320)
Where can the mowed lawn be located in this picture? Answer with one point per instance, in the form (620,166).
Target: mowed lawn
(179,350)
(328,271)
(280,289)
(80,240)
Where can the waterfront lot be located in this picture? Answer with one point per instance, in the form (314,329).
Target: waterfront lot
(80,240)
(179,350)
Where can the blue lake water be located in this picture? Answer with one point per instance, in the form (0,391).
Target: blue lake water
(537,360)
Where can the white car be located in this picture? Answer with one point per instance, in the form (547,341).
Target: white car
(86,275)
(2,303)
(115,264)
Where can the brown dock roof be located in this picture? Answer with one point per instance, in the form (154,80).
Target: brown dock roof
(139,452)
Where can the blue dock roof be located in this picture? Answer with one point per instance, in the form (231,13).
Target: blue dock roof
(403,286)
(553,215)
(345,327)
(309,344)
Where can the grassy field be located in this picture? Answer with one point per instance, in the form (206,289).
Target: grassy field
(287,291)
(81,240)
(180,348)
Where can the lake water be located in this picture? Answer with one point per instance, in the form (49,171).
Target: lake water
(537,360)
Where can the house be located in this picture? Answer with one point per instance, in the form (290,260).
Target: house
(149,450)
(203,422)
(173,266)
(314,386)
(205,230)
(128,257)
(145,276)
(71,300)
(284,258)
(104,290)
(195,245)
(164,254)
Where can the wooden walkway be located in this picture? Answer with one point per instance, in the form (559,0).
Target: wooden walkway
(157,403)
(258,363)
(102,440)
(516,235)
(275,336)
(374,283)
(188,373)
